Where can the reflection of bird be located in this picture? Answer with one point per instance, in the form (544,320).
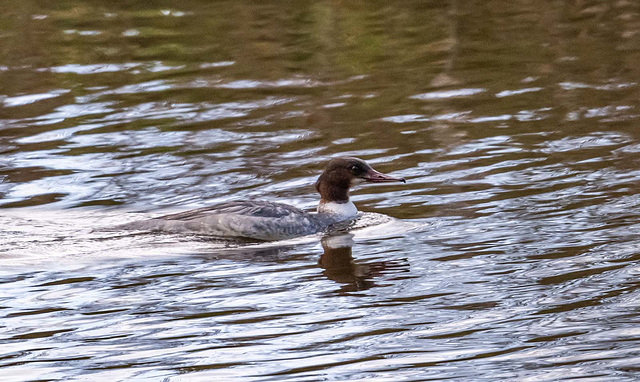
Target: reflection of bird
(339,266)
(273,221)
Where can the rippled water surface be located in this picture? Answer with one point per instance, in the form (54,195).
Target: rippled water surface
(516,246)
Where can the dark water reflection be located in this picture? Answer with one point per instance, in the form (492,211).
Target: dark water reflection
(515,253)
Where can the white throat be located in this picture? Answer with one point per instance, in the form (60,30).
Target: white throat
(347,209)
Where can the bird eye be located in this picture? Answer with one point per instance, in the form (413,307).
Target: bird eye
(355,169)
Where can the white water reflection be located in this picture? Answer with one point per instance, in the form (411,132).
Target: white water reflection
(448,94)
(31,98)
(509,93)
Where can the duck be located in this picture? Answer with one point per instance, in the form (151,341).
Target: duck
(271,221)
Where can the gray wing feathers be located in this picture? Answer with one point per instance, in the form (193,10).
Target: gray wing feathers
(242,208)
(255,220)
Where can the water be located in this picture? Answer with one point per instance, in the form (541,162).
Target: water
(514,255)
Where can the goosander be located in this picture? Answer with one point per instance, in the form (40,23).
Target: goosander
(269,221)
